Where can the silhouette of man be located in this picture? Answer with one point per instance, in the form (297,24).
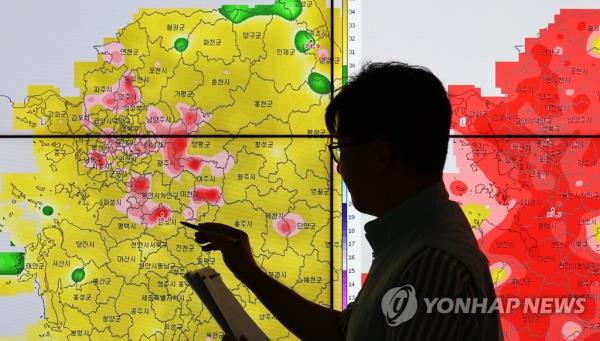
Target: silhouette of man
(391,124)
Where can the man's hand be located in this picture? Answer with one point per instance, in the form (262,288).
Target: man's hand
(234,245)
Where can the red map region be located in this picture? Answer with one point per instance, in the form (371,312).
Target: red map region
(547,237)
(553,88)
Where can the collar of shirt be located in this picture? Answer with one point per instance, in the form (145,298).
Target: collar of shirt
(404,220)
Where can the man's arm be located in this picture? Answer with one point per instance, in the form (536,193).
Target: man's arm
(305,319)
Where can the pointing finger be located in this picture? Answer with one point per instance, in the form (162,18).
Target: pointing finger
(221,229)
(210,247)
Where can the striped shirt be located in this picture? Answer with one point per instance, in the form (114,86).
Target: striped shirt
(427,244)
(434,273)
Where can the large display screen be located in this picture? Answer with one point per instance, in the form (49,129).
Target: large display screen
(120,119)
(524,158)
(199,112)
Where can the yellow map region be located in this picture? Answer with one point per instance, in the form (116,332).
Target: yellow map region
(249,77)
(99,221)
(133,283)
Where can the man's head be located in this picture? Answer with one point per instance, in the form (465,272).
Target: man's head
(392,121)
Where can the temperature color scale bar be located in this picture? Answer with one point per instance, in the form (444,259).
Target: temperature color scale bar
(354,234)
(351,64)
(351,232)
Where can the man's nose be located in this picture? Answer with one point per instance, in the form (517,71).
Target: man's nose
(337,167)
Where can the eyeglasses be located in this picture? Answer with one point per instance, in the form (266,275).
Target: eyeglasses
(336,149)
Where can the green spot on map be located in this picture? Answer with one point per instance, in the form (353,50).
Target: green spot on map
(78,275)
(181,44)
(287,9)
(319,83)
(11,263)
(304,41)
(47,210)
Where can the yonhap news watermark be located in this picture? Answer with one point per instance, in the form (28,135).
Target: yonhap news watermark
(400,304)
(527,305)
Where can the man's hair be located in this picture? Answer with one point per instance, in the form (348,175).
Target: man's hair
(404,104)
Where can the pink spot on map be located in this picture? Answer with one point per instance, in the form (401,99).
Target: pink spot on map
(203,195)
(288,225)
(138,205)
(190,117)
(194,163)
(323,54)
(175,154)
(210,195)
(458,187)
(112,54)
(118,98)
(96,160)
(160,213)
(139,184)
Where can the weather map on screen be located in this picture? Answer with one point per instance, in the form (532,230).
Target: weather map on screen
(214,112)
(187,114)
(524,167)
(533,202)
